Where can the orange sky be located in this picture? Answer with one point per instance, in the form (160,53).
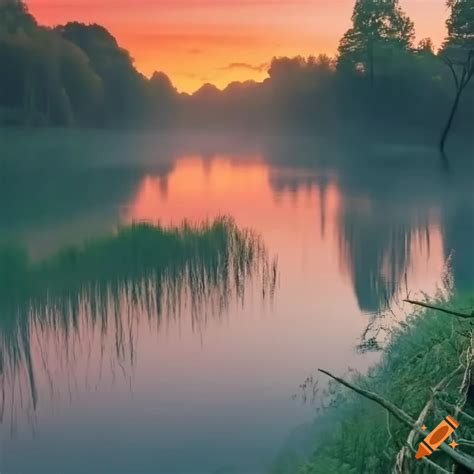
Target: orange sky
(218,41)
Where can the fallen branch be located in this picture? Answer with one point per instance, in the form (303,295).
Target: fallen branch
(442,310)
(388,405)
(460,459)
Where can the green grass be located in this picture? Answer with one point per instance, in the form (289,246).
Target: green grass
(359,436)
(141,272)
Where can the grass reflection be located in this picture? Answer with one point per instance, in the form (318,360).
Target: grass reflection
(108,285)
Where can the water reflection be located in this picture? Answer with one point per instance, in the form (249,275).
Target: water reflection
(377,249)
(382,242)
(93,298)
(352,228)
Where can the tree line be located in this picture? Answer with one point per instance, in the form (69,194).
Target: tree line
(77,74)
(73,74)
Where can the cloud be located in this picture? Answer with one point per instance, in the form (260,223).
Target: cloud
(194,51)
(250,67)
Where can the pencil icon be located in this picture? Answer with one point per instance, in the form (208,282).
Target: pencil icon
(437,437)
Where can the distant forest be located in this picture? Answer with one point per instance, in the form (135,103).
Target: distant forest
(380,80)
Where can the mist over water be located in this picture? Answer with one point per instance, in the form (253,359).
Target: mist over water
(354,227)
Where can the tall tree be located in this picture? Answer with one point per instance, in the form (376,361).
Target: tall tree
(126,95)
(458,54)
(376,25)
(48,80)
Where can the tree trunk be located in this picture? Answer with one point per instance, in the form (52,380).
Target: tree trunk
(449,123)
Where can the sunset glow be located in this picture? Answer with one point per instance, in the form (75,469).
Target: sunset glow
(220,41)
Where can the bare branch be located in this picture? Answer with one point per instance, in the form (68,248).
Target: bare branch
(442,310)
(459,458)
(396,412)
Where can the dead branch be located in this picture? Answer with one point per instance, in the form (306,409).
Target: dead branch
(459,458)
(388,405)
(442,310)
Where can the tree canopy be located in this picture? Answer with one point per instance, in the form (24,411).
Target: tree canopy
(376,25)
(48,80)
(460,24)
(79,75)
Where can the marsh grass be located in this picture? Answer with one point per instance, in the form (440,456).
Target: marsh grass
(108,286)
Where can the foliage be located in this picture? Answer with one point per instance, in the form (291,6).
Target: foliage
(378,26)
(202,257)
(125,90)
(458,48)
(73,74)
(77,74)
(364,438)
(49,81)
(143,268)
(461,23)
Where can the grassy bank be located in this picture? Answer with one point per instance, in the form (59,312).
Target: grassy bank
(359,436)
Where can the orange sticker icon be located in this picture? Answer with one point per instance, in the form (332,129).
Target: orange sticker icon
(437,437)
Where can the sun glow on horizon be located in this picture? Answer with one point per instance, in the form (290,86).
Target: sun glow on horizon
(221,41)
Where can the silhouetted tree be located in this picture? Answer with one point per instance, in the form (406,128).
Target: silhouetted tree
(49,80)
(125,90)
(78,74)
(458,54)
(299,87)
(164,99)
(376,26)
(426,46)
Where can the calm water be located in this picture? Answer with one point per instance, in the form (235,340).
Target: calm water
(351,227)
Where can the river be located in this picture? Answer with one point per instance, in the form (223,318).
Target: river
(352,229)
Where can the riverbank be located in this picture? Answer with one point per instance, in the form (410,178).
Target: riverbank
(357,435)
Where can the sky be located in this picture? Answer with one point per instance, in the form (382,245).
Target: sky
(220,41)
